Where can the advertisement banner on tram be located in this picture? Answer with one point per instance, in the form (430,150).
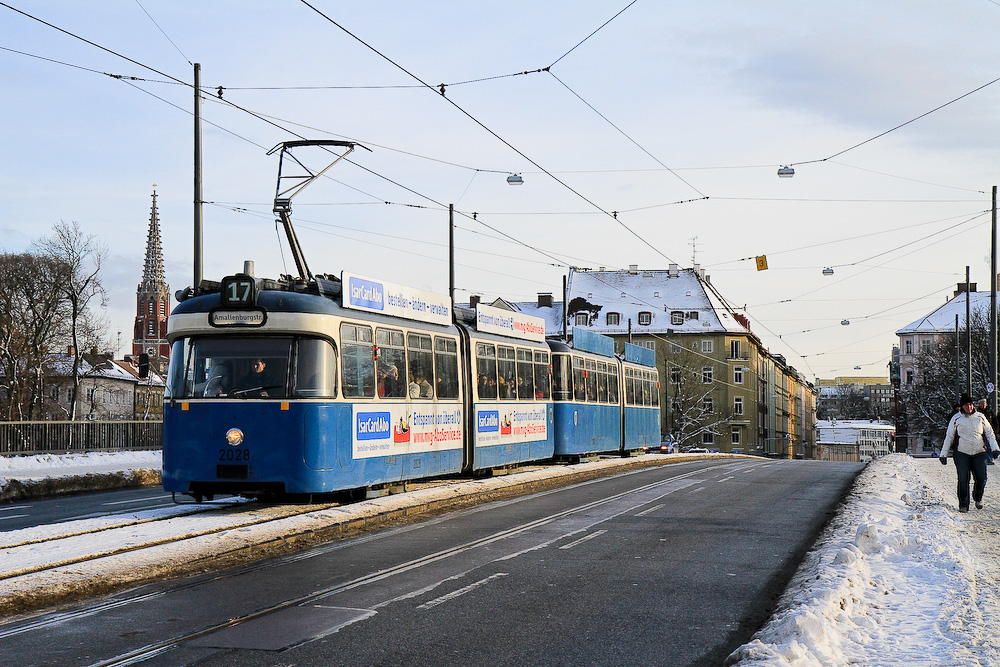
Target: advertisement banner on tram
(509,323)
(506,424)
(393,430)
(379,296)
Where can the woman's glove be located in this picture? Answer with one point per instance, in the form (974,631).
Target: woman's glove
(943,460)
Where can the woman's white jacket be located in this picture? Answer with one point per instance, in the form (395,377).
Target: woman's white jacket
(972,432)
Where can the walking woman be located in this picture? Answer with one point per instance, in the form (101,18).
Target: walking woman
(971,434)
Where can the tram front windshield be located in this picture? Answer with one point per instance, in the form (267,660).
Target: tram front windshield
(278,367)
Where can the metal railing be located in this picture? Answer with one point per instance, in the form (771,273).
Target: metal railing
(47,437)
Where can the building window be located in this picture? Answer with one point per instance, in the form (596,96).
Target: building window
(738,405)
(708,438)
(582,319)
(708,405)
(614,319)
(645,318)
(706,346)
(738,375)
(692,315)
(909,377)
(675,348)
(706,375)
(925,346)
(648,344)
(736,435)
(908,346)
(675,375)
(734,349)
(677,317)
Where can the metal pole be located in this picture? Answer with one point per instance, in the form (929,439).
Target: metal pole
(993,305)
(198,251)
(451,257)
(958,360)
(968,337)
(565,310)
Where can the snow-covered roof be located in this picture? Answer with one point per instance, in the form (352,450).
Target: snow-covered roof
(657,292)
(942,319)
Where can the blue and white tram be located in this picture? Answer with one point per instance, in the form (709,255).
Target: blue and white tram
(603,403)
(345,396)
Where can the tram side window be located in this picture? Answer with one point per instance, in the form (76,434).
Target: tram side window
(506,373)
(591,381)
(446,367)
(542,376)
(629,386)
(391,363)
(602,381)
(562,378)
(525,376)
(486,366)
(579,379)
(421,356)
(647,398)
(613,384)
(357,362)
(315,370)
(655,380)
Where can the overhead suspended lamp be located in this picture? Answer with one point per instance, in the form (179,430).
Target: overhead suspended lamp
(828,271)
(845,322)
(785,172)
(515,179)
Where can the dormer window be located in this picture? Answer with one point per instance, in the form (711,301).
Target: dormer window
(677,317)
(645,318)
(614,319)
(582,319)
(692,315)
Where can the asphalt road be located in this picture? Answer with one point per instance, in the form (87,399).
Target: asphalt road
(672,565)
(83,506)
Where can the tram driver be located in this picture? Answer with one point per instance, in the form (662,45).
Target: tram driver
(259,381)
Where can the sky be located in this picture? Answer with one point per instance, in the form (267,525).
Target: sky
(646,133)
(898,577)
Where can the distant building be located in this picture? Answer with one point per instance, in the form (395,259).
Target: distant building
(853,440)
(855,398)
(920,336)
(109,390)
(152,301)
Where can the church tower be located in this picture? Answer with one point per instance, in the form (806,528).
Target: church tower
(152,300)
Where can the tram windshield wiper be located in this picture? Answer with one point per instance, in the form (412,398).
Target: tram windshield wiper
(245,393)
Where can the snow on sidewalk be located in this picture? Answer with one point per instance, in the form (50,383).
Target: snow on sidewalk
(899,577)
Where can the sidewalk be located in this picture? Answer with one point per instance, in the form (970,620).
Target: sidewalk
(899,577)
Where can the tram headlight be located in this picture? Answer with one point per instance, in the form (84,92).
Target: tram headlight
(234,436)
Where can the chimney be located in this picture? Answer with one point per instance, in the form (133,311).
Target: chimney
(961,288)
(633,269)
(672,271)
(545,299)
(474,301)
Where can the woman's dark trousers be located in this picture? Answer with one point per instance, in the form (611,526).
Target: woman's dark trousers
(976,467)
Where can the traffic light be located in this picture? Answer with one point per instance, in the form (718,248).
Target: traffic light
(143,365)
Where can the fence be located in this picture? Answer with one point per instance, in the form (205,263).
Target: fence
(49,437)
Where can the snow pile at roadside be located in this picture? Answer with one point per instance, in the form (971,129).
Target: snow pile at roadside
(50,474)
(898,578)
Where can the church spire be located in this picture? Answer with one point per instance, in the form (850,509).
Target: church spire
(153,276)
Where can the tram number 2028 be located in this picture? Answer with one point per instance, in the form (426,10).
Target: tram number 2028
(234,454)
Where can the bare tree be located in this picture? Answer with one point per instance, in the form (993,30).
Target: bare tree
(80,257)
(695,408)
(32,317)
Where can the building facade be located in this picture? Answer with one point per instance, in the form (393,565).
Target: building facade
(720,387)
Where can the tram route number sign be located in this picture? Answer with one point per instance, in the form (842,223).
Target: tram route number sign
(239,292)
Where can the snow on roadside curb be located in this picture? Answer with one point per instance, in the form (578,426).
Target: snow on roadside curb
(895,579)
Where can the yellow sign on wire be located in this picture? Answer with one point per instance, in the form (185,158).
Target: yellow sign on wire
(762,262)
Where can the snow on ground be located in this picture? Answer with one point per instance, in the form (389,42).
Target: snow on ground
(899,577)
